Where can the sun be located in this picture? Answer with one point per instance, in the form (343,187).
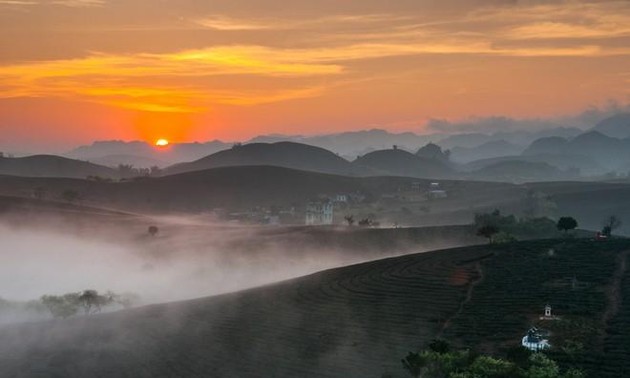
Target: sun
(161,143)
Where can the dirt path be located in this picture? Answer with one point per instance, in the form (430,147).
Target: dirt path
(613,295)
(468,298)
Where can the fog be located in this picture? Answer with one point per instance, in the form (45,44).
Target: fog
(38,262)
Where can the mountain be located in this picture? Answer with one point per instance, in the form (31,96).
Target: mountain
(617,126)
(353,321)
(548,145)
(517,137)
(353,143)
(519,171)
(402,163)
(53,166)
(144,153)
(608,152)
(486,150)
(134,160)
(585,164)
(280,154)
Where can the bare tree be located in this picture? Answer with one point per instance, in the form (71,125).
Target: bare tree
(153,230)
(611,223)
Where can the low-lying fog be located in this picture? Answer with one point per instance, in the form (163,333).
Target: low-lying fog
(188,258)
(38,262)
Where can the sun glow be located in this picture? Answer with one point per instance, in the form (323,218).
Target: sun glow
(161,143)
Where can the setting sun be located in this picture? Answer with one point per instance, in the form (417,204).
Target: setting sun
(161,143)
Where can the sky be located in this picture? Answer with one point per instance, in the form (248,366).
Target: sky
(74,71)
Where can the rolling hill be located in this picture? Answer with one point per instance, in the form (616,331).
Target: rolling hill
(617,126)
(280,154)
(518,171)
(354,321)
(396,162)
(52,166)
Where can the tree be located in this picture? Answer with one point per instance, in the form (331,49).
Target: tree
(62,306)
(488,232)
(39,193)
(439,346)
(153,230)
(413,364)
(366,222)
(70,195)
(610,224)
(349,219)
(92,302)
(566,223)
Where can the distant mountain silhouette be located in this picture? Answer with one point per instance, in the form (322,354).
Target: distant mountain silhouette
(487,150)
(586,164)
(519,171)
(52,166)
(281,154)
(138,152)
(549,145)
(617,126)
(136,161)
(608,152)
(402,163)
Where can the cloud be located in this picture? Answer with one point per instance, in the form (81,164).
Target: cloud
(67,3)
(128,81)
(227,23)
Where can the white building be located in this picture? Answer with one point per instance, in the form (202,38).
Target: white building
(319,213)
(535,341)
(436,191)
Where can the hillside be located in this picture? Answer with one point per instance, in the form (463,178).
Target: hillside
(280,154)
(243,188)
(396,162)
(617,126)
(354,321)
(518,171)
(609,152)
(52,166)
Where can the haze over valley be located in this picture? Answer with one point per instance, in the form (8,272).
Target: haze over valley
(424,189)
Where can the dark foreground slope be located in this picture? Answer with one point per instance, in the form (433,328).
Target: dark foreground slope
(356,321)
(53,166)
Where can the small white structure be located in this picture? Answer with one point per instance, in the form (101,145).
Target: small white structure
(548,315)
(319,213)
(535,341)
(341,198)
(435,191)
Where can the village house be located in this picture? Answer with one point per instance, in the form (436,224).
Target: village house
(535,341)
(436,191)
(319,213)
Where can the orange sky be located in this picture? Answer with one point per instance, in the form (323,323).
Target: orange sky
(72,71)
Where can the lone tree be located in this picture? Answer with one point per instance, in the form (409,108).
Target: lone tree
(70,196)
(349,219)
(488,231)
(153,230)
(567,223)
(610,224)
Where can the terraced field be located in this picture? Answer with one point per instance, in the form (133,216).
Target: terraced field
(356,321)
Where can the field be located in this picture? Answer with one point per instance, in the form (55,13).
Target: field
(354,321)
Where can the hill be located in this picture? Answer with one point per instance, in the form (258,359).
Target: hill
(487,150)
(244,188)
(354,321)
(617,126)
(608,152)
(52,166)
(280,154)
(396,162)
(518,171)
(141,153)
